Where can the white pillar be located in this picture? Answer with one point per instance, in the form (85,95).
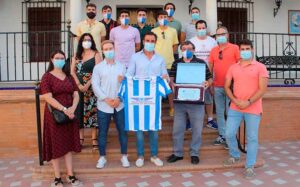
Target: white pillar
(75,13)
(212,15)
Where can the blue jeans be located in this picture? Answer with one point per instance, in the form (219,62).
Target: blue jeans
(104,121)
(252,121)
(195,113)
(222,105)
(153,143)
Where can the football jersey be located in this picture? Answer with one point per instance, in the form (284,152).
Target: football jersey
(142,100)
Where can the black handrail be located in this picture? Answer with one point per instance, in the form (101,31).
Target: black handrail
(38,122)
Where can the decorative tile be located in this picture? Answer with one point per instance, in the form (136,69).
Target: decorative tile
(234,183)
(282,164)
(8,175)
(165,175)
(165,184)
(99,184)
(142,184)
(228,174)
(279,181)
(292,172)
(188,184)
(257,182)
(187,175)
(120,184)
(211,183)
(16,183)
(35,184)
(271,173)
(207,174)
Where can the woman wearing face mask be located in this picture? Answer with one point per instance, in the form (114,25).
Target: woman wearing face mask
(59,89)
(82,67)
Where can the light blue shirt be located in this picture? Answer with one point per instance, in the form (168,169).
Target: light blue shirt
(141,66)
(106,85)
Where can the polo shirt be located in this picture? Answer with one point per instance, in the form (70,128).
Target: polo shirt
(164,45)
(230,56)
(246,84)
(143,31)
(96,29)
(108,26)
(173,71)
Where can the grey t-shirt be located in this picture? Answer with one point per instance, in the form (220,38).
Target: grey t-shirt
(190,30)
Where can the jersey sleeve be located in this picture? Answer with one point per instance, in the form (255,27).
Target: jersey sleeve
(122,89)
(163,87)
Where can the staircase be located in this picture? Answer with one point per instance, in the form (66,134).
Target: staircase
(211,157)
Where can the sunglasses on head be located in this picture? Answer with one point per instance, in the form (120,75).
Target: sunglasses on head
(163,35)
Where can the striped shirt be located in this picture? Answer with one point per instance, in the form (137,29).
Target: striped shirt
(142,100)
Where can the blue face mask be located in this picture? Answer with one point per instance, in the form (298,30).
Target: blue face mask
(221,39)
(163,22)
(149,46)
(246,55)
(124,21)
(107,15)
(195,16)
(201,32)
(170,12)
(187,54)
(142,20)
(59,63)
(109,54)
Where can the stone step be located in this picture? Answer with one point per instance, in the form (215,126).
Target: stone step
(84,167)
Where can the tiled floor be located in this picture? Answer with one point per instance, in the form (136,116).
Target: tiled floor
(282,168)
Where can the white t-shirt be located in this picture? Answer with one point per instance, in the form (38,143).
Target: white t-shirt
(203,47)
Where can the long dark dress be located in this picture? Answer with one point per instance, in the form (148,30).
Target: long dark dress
(58,140)
(87,109)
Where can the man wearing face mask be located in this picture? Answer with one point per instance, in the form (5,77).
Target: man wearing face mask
(166,45)
(126,38)
(195,112)
(204,45)
(220,59)
(92,26)
(141,24)
(189,30)
(105,82)
(250,81)
(144,64)
(107,20)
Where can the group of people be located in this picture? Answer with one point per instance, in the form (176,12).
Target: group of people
(109,53)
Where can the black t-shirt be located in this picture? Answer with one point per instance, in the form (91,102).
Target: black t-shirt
(194,60)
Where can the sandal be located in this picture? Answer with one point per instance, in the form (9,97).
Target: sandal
(73,180)
(57,182)
(95,146)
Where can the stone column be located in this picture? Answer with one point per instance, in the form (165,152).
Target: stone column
(212,15)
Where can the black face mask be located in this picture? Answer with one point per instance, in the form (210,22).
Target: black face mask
(91,15)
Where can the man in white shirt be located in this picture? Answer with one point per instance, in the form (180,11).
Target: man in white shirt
(105,82)
(203,45)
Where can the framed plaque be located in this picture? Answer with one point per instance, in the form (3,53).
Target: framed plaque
(189,86)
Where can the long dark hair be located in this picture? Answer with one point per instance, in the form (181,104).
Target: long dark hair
(80,48)
(66,68)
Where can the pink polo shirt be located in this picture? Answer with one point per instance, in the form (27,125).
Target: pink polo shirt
(246,84)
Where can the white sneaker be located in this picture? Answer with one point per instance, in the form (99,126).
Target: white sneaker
(139,162)
(157,161)
(101,162)
(125,162)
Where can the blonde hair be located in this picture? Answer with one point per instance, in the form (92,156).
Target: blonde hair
(107,42)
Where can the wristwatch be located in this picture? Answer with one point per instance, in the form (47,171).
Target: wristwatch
(64,109)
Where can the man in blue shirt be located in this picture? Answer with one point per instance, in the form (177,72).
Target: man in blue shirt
(144,64)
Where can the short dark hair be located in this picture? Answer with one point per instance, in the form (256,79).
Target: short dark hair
(106,7)
(169,4)
(150,33)
(141,10)
(162,12)
(91,5)
(195,8)
(124,11)
(246,42)
(187,43)
(200,22)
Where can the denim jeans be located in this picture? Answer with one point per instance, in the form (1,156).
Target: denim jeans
(195,113)
(222,105)
(153,143)
(252,125)
(104,121)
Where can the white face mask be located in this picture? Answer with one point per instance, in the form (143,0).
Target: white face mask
(86,44)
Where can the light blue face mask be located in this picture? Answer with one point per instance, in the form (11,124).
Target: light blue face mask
(107,15)
(195,16)
(59,63)
(201,32)
(124,21)
(149,46)
(187,54)
(142,20)
(246,55)
(109,54)
(221,39)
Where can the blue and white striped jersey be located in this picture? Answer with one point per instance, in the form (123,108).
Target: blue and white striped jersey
(142,101)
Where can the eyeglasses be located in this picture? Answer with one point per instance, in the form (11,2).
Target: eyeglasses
(163,35)
(221,55)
